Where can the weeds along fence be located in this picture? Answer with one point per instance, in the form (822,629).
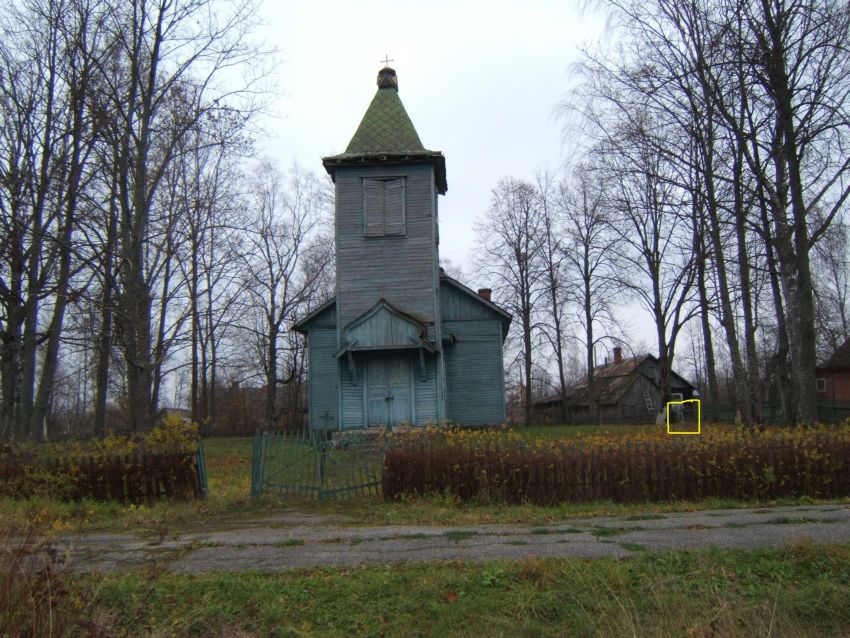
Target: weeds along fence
(127,478)
(313,466)
(503,467)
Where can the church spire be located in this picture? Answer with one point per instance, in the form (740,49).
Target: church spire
(386,126)
(387,136)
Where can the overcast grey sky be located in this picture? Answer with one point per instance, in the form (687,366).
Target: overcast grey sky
(480,80)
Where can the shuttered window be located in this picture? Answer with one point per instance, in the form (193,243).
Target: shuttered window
(383,207)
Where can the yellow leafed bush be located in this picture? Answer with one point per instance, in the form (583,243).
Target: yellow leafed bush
(159,462)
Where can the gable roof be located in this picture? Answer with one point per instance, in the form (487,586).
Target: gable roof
(398,329)
(386,135)
(302,324)
(840,359)
(504,316)
(612,381)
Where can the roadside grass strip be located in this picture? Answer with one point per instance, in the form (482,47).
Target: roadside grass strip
(797,591)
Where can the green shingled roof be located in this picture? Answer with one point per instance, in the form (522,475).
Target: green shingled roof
(386,136)
(386,127)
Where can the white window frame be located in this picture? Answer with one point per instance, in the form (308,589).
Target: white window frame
(820,384)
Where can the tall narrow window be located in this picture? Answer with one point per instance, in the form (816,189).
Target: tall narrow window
(383,206)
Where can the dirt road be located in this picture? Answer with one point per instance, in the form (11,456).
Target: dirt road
(295,541)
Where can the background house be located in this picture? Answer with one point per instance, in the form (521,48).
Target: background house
(832,378)
(627,391)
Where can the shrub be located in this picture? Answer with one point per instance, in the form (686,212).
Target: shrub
(39,594)
(503,466)
(173,435)
(160,463)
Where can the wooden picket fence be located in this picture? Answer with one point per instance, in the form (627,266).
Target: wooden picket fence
(312,466)
(747,467)
(129,478)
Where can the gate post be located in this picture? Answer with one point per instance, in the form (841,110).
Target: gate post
(322,451)
(257,454)
(201,460)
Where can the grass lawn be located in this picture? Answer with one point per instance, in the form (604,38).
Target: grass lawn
(801,591)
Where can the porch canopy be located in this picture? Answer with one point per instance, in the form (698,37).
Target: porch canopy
(384,328)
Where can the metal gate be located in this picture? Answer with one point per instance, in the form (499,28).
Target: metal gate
(314,466)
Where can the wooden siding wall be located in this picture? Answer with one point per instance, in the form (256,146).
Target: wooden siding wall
(474,373)
(632,403)
(837,384)
(352,395)
(325,319)
(384,328)
(456,305)
(399,269)
(324,379)
(425,392)
(653,371)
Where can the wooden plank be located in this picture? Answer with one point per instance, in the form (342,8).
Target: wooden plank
(368,268)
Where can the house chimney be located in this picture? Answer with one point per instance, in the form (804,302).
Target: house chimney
(485,293)
(618,355)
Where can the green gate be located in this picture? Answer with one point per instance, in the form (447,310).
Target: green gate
(315,466)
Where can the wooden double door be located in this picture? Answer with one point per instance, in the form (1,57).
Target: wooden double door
(389,394)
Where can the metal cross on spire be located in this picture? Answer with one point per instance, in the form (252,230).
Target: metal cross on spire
(387,59)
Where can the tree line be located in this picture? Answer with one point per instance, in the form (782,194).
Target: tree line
(147,258)
(145,254)
(708,186)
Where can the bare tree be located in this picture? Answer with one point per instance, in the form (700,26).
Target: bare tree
(285,263)
(46,63)
(832,289)
(509,254)
(205,181)
(788,64)
(164,78)
(655,242)
(554,262)
(759,90)
(590,244)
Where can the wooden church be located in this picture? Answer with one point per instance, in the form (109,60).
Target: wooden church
(401,342)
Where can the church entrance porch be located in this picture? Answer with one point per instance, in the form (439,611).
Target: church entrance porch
(389,391)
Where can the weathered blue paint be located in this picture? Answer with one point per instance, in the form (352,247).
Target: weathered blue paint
(383,326)
(397,268)
(324,380)
(474,372)
(401,342)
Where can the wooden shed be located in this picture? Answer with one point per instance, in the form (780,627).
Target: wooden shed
(626,391)
(401,342)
